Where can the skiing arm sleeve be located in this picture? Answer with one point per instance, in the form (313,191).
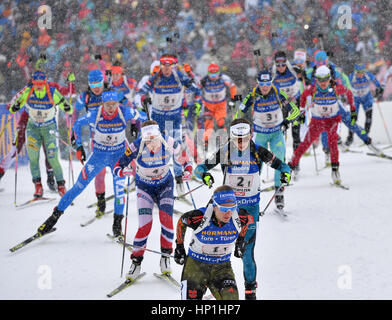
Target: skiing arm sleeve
(245,219)
(189,219)
(77,127)
(79,105)
(374,80)
(246,103)
(20,99)
(130,153)
(292,106)
(269,158)
(59,100)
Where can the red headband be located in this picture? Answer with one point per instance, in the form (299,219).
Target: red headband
(117,69)
(168,60)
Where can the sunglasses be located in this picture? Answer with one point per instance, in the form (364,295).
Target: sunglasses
(264,84)
(96,84)
(279,65)
(213,75)
(323,79)
(225,209)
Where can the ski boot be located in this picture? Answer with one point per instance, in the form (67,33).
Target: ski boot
(50,181)
(373,148)
(335,173)
(179,185)
(50,222)
(61,188)
(39,191)
(279,198)
(350,139)
(165,262)
(250,290)
(134,271)
(117,229)
(101,207)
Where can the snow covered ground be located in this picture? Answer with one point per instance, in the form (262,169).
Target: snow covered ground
(335,244)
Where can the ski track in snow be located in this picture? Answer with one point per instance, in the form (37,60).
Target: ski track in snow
(300,258)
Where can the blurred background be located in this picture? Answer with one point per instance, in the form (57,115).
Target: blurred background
(85,34)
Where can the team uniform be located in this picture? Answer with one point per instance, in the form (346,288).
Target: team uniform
(324,106)
(242,170)
(91,102)
(154,184)
(208,264)
(287,82)
(20,139)
(167,103)
(360,86)
(41,128)
(109,144)
(214,90)
(268,114)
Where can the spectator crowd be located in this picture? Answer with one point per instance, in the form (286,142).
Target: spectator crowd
(85,34)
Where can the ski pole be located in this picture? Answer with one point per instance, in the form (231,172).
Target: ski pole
(193,201)
(383,120)
(149,250)
(268,204)
(315,158)
(190,191)
(16,159)
(125,231)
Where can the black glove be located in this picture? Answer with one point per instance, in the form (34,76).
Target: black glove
(285,178)
(67,106)
(301,118)
(379,92)
(239,249)
(73,139)
(208,179)
(354,117)
(133,130)
(146,101)
(15,107)
(179,254)
(80,154)
(285,125)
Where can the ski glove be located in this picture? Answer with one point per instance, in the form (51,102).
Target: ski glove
(239,249)
(133,130)
(197,109)
(285,125)
(186,112)
(71,77)
(186,175)
(80,154)
(379,92)
(232,103)
(285,178)
(208,179)
(354,117)
(179,254)
(15,107)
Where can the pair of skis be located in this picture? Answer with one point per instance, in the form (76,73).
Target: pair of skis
(34,201)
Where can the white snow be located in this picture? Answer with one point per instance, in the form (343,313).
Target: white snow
(330,234)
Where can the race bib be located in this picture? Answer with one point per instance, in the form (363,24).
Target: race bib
(325,110)
(244,185)
(269,119)
(215,96)
(109,139)
(42,115)
(217,249)
(168,102)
